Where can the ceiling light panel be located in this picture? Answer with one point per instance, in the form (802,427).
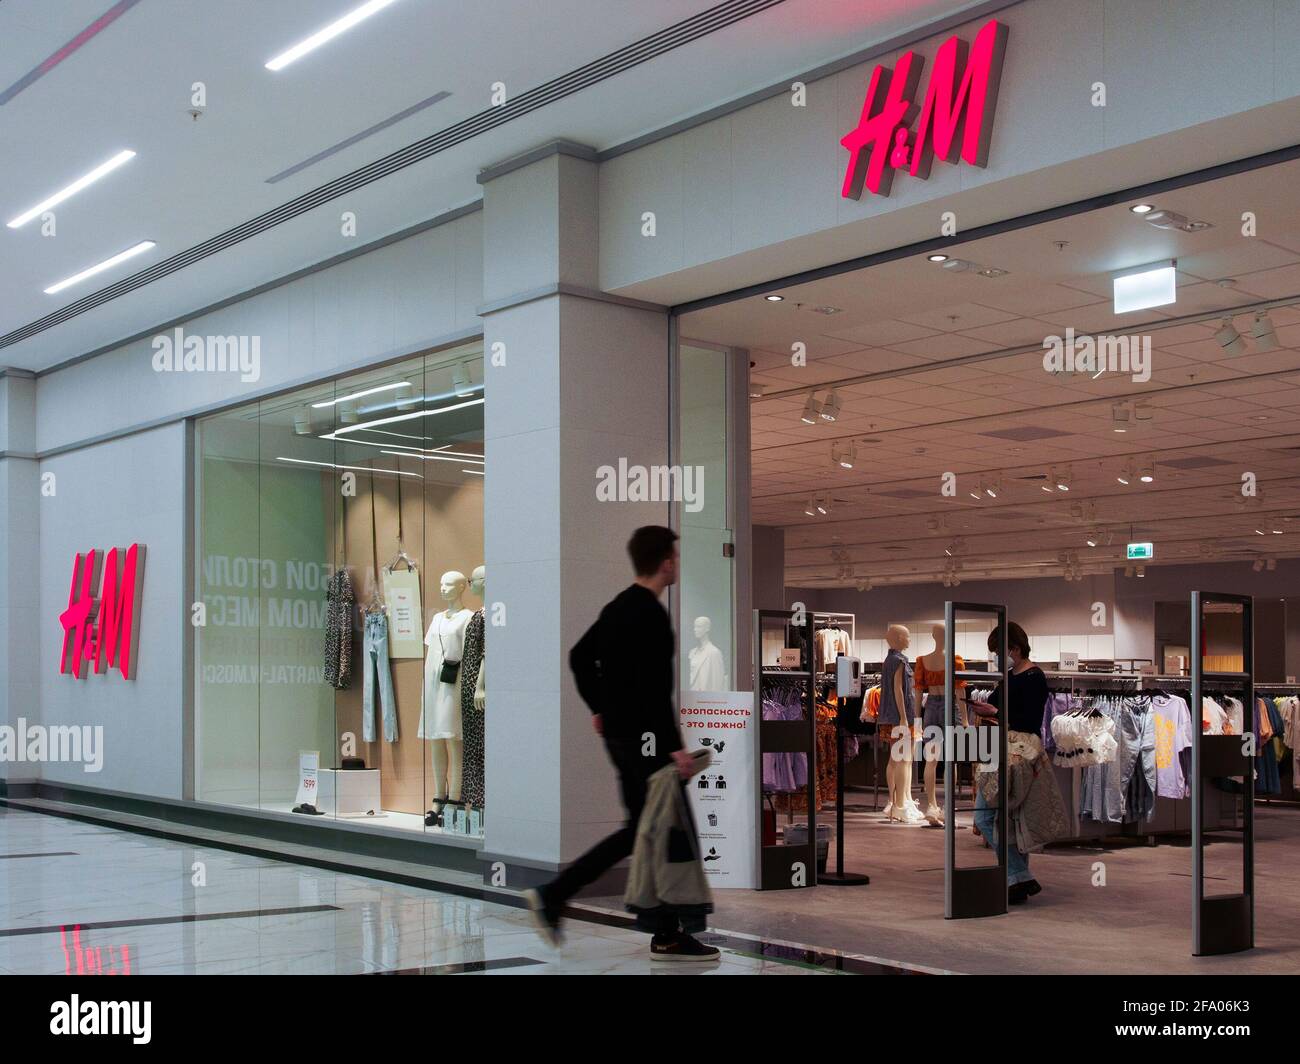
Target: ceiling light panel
(86,180)
(327,33)
(100,267)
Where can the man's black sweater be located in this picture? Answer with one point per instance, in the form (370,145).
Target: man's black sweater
(623,666)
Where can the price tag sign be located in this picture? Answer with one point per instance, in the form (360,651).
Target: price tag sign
(308,769)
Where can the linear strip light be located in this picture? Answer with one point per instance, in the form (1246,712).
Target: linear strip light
(361,468)
(399,417)
(64,193)
(429,457)
(420,399)
(107,264)
(331,31)
(358,395)
(479,472)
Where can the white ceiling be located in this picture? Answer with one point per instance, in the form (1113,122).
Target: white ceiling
(951,360)
(129,87)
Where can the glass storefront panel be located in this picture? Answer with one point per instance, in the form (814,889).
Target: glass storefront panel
(340,551)
(707,650)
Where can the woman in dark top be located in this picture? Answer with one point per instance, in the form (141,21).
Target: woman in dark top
(1025,707)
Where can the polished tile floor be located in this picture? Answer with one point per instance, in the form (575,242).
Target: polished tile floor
(82,898)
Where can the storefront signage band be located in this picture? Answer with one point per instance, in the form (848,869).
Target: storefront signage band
(960,100)
(101,621)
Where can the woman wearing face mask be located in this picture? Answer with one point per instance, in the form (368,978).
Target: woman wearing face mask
(1035,810)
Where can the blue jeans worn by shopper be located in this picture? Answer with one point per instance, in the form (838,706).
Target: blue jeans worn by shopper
(986,819)
(376,661)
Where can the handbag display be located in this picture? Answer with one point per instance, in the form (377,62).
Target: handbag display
(450,669)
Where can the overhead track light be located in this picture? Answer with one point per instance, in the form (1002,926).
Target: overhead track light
(831,408)
(811,508)
(1128,474)
(1147,474)
(1229,339)
(811,410)
(1263,332)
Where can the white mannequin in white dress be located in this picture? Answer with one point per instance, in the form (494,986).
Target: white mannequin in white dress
(708,673)
(440,721)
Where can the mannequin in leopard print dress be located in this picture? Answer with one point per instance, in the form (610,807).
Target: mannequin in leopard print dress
(473,699)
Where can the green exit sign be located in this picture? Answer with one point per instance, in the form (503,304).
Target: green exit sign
(1138,552)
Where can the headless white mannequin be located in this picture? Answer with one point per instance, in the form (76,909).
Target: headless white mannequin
(934,662)
(445,753)
(707,671)
(898,773)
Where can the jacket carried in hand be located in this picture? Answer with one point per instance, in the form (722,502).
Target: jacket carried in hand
(1035,809)
(667,875)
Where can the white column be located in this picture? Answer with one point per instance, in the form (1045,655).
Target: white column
(578,382)
(20,607)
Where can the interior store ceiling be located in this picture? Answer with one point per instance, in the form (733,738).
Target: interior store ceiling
(941,371)
(128,85)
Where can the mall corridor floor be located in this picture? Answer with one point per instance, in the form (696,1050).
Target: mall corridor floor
(78,898)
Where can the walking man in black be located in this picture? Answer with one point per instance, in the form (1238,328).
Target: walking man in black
(623,667)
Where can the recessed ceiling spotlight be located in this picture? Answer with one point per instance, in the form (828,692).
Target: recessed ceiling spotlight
(1229,339)
(1262,330)
(811,410)
(126,155)
(774,298)
(956,265)
(1142,208)
(1258,417)
(100,267)
(937,257)
(992,271)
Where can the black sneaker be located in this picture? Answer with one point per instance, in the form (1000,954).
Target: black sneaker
(1017,894)
(1031,887)
(682,947)
(545,921)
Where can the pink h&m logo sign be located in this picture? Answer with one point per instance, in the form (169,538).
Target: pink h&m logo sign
(100,624)
(960,99)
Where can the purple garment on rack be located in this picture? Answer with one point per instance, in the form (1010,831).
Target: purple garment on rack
(784,772)
(1057,704)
